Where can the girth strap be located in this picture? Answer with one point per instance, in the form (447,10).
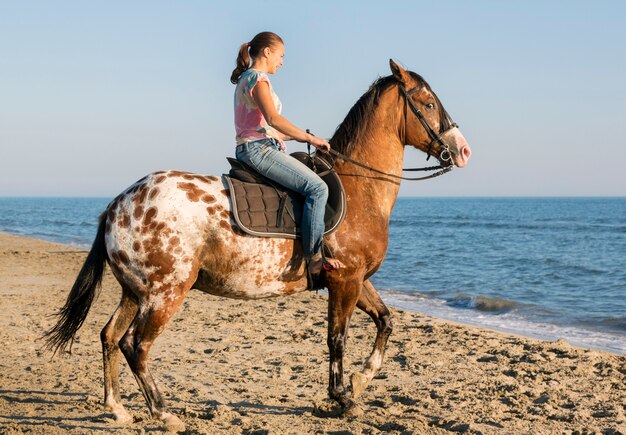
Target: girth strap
(281,208)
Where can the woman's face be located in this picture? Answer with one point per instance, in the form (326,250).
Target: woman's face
(275,57)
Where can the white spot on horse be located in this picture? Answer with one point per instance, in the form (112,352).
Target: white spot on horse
(157,302)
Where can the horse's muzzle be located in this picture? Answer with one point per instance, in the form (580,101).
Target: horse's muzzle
(459,148)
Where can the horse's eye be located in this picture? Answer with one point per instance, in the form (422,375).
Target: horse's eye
(430,106)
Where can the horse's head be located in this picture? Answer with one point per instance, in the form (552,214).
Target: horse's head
(427,125)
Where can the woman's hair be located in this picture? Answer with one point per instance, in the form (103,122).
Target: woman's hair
(251,50)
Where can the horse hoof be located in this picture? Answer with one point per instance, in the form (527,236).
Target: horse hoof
(123,418)
(120,415)
(359,383)
(353,410)
(171,423)
(327,408)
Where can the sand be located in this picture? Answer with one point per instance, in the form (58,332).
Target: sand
(257,367)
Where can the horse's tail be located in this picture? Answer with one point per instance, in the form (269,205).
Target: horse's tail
(83,293)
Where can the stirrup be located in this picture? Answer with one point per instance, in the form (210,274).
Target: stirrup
(314,281)
(327,266)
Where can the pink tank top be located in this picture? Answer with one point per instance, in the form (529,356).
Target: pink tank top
(250,124)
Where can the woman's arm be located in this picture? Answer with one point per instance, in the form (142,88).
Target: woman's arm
(263,99)
(284,137)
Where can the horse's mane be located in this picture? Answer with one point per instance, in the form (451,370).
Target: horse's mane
(356,124)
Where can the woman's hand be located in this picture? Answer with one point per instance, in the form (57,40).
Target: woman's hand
(319,143)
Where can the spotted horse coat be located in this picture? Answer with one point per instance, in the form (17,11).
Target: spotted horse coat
(156,234)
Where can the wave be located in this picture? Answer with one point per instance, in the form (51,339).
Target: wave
(602,336)
(483,303)
(615,323)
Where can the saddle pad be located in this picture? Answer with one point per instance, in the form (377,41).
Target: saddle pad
(257,208)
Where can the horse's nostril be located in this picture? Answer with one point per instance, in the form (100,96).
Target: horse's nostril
(466,152)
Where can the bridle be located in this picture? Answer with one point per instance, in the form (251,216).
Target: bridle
(445,155)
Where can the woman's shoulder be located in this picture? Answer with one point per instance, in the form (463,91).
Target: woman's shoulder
(253,76)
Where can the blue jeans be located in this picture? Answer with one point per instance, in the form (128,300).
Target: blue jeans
(265,156)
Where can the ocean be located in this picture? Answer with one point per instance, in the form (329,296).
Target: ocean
(550,268)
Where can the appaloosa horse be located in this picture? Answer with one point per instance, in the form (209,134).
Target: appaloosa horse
(172,231)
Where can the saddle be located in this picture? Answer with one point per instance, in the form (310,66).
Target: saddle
(263,208)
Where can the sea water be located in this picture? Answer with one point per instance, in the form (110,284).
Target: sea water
(543,267)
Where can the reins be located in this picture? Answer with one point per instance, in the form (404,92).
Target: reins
(443,170)
(444,155)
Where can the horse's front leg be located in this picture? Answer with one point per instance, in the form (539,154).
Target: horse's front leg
(370,302)
(342,299)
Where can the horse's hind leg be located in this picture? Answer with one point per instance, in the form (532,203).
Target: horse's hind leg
(155,312)
(370,302)
(110,337)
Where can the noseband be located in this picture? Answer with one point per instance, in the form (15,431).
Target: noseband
(445,155)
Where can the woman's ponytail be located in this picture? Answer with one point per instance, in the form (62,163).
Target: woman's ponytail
(243,63)
(251,50)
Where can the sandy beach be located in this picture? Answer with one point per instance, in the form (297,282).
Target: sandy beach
(234,367)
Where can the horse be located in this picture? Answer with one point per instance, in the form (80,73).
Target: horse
(172,231)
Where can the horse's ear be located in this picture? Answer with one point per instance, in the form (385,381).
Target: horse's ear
(398,72)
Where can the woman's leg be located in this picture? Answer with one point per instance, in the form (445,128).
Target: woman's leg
(265,157)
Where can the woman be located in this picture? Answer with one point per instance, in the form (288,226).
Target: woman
(261,135)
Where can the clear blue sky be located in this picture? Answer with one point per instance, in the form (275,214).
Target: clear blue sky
(94,95)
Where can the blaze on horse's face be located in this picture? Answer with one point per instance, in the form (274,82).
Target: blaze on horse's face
(427,102)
